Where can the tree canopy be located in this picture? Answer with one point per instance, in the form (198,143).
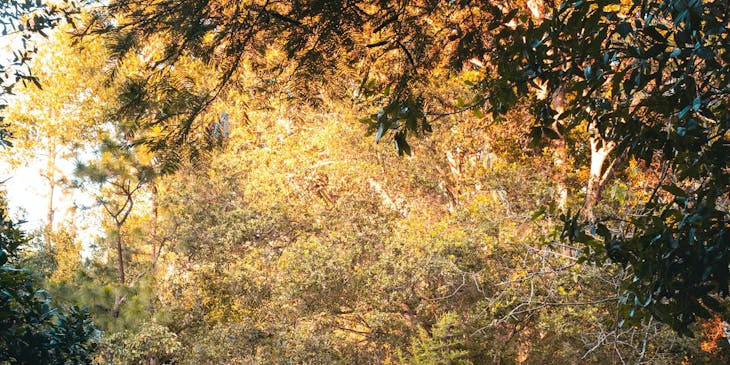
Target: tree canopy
(557,191)
(641,80)
(20,21)
(650,82)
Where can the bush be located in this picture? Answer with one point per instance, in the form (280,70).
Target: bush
(32,330)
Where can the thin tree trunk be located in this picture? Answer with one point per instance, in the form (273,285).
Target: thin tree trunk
(155,250)
(120,254)
(559,159)
(120,217)
(118,299)
(560,155)
(600,150)
(51,176)
(50,213)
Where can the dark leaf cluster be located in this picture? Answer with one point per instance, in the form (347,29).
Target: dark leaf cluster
(653,78)
(32,329)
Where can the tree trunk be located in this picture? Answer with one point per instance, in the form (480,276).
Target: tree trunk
(559,158)
(120,254)
(155,249)
(600,150)
(51,176)
(118,299)
(560,155)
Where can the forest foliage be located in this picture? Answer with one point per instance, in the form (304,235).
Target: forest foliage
(421,182)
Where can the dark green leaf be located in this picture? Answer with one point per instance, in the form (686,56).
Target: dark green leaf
(674,190)
(624,29)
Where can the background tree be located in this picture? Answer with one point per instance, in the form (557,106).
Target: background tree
(119,178)
(644,81)
(282,242)
(21,20)
(51,125)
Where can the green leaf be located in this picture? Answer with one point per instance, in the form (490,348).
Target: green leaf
(653,33)
(674,190)
(713,304)
(603,231)
(36,82)
(425,126)
(401,145)
(550,133)
(705,53)
(655,50)
(460,102)
(624,29)
(507,18)
(682,113)
(537,214)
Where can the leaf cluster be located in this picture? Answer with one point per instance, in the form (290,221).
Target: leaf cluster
(32,330)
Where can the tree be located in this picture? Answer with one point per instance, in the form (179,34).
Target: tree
(32,330)
(21,20)
(118,177)
(304,50)
(153,344)
(297,240)
(647,81)
(282,249)
(640,80)
(56,123)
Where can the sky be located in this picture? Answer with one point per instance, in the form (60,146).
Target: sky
(25,190)
(27,193)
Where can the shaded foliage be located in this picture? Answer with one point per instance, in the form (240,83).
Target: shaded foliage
(32,329)
(653,79)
